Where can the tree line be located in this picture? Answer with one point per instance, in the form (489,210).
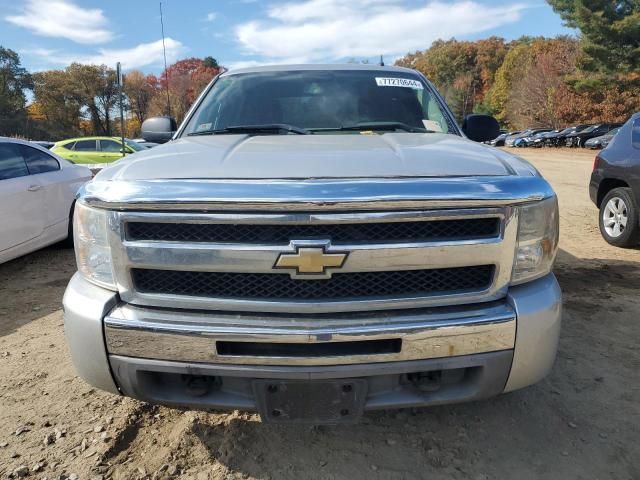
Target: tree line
(545,81)
(83,99)
(527,82)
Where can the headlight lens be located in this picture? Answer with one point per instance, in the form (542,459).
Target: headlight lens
(538,229)
(93,254)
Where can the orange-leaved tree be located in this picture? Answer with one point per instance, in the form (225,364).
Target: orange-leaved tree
(185,79)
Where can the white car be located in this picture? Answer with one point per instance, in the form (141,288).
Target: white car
(37,195)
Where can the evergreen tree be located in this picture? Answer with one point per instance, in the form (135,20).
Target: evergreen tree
(610,32)
(210,62)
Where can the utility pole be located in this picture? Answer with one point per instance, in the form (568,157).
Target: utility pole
(164,52)
(119,75)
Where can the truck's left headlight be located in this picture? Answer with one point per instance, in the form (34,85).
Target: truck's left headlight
(538,229)
(93,254)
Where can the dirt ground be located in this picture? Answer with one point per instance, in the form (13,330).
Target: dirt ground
(582,422)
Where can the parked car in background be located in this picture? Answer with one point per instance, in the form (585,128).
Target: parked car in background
(615,186)
(511,139)
(577,139)
(558,138)
(539,139)
(37,194)
(499,140)
(95,149)
(602,141)
(528,140)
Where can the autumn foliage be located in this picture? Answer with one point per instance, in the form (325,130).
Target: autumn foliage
(528,82)
(185,79)
(83,99)
(555,82)
(464,72)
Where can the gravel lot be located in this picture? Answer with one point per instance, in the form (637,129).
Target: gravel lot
(582,422)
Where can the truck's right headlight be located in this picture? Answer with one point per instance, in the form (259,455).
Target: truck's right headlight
(93,254)
(538,229)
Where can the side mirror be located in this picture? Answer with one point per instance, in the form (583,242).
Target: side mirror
(480,128)
(158,129)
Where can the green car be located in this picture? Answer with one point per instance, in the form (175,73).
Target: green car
(95,149)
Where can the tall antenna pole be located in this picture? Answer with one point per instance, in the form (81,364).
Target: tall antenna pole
(166,72)
(120,82)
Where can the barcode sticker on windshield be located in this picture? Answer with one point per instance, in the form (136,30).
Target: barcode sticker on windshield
(399,82)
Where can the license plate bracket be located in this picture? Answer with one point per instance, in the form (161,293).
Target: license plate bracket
(313,402)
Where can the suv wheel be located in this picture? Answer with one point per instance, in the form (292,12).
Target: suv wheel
(619,218)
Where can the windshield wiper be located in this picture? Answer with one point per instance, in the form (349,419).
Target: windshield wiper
(387,126)
(276,128)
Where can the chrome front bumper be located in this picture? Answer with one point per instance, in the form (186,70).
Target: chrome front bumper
(196,337)
(142,351)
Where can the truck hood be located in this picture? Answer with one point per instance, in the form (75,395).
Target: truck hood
(391,155)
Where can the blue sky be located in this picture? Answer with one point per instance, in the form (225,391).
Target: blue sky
(53,33)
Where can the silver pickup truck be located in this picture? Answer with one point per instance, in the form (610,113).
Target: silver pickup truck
(315,242)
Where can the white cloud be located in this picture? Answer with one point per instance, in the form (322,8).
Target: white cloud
(322,30)
(38,52)
(65,19)
(211,16)
(142,55)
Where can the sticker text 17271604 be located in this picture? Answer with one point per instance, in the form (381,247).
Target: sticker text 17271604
(398,82)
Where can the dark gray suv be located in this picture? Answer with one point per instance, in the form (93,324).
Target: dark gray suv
(615,186)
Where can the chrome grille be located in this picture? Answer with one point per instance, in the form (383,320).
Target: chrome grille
(366,285)
(225,261)
(387,232)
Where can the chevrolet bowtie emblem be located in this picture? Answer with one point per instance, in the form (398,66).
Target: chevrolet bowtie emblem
(310,260)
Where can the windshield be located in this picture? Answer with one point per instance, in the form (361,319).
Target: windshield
(319,101)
